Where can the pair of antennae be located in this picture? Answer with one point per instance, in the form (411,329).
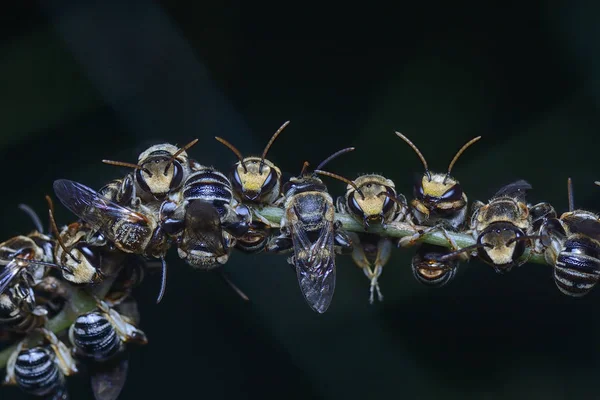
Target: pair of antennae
(54,228)
(238,154)
(169,162)
(427,172)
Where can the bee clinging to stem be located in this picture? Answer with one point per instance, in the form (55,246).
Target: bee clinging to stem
(308,227)
(372,199)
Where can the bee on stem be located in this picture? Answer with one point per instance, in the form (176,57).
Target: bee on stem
(440,204)
(161,170)
(372,199)
(255,181)
(100,337)
(572,247)
(308,229)
(502,229)
(41,370)
(138,232)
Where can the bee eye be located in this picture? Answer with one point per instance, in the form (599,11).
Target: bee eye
(142,181)
(177,175)
(354,206)
(90,255)
(453,194)
(418,190)
(270,182)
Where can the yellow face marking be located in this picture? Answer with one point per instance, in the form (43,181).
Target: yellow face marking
(436,187)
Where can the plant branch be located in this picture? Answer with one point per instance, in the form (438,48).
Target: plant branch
(82,302)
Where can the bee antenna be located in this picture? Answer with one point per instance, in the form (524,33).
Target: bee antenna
(304,168)
(453,254)
(55,229)
(233,286)
(416,149)
(458,154)
(334,155)
(340,178)
(392,197)
(597,183)
(122,164)
(234,149)
(34,217)
(570,194)
(163,280)
(178,152)
(268,146)
(521,238)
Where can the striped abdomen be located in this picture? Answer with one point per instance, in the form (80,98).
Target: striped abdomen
(93,335)
(577,268)
(430,272)
(211,186)
(255,239)
(36,371)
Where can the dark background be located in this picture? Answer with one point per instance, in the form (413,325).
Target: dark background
(82,82)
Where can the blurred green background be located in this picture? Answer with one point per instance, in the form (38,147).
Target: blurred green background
(83,81)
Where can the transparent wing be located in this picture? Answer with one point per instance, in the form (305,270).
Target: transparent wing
(204,225)
(108,379)
(8,273)
(517,189)
(315,266)
(586,226)
(92,207)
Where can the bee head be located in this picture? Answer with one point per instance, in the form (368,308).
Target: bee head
(503,244)
(371,197)
(256,180)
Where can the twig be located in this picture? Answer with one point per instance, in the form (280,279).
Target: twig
(81,302)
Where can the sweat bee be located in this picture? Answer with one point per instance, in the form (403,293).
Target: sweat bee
(309,229)
(138,232)
(41,370)
(255,180)
(161,169)
(573,249)
(100,337)
(372,199)
(208,219)
(502,229)
(439,203)
(19,311)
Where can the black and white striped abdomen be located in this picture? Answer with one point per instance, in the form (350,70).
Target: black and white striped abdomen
(36,371)
(211,186)
(577,268)
(93,335)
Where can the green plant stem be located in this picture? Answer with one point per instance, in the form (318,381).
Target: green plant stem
(81,302)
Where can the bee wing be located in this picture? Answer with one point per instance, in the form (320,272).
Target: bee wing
(8,273)
(204,224)
(315,266)
(586,226)
(515,189)
(108,378)
(92,207)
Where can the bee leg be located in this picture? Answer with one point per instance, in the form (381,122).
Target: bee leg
(233,285)
(10,378)
(340,206)
(279,244)
(408,241)
(238,220)
(64,358)
(384,251)
(344,243)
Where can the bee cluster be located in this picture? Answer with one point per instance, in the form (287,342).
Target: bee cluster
(171,200)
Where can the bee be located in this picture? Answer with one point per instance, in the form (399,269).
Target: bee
(19,311)
(161,169)
(440,204)
(372,199)
(257,181)
(210,219)
(137,232)
(502,228)
(41,370)
(573,248)
(100,337)
(309,229)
